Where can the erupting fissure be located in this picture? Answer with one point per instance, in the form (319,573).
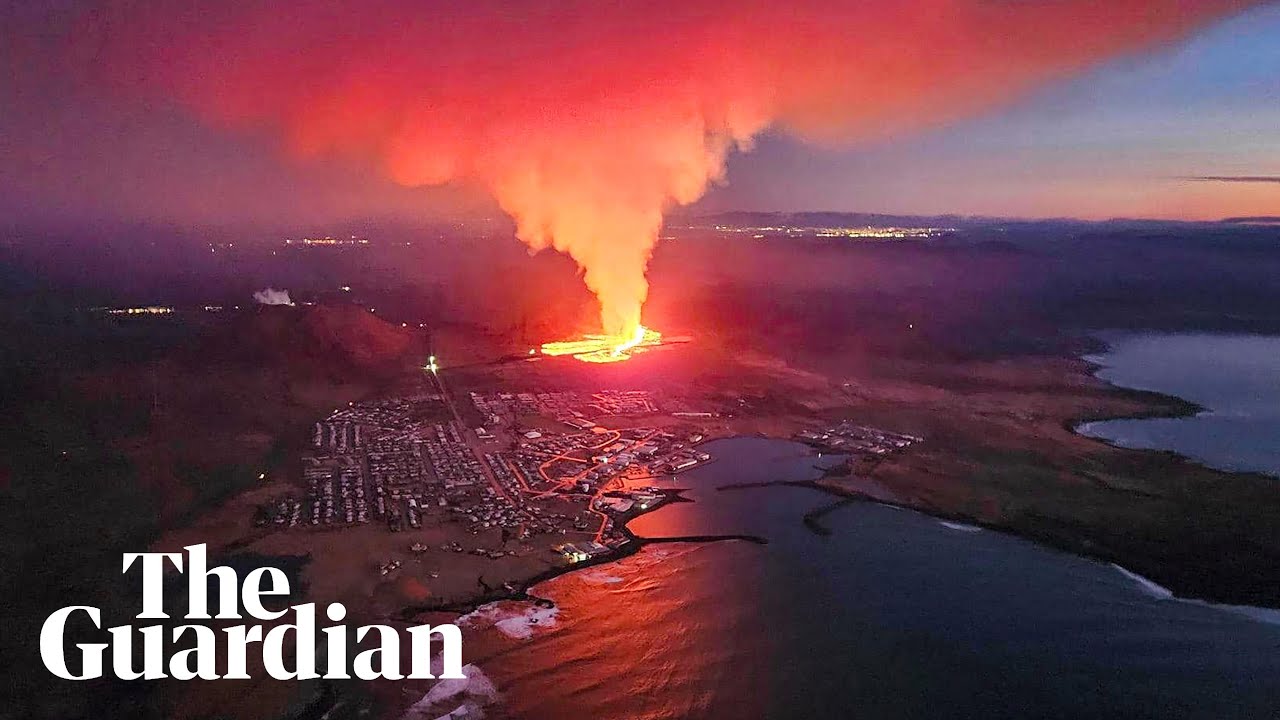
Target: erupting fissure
(604,348)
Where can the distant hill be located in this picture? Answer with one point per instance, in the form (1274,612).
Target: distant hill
(324,340)
(1258,220)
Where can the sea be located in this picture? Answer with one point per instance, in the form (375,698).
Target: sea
(1234,378)
(893,614)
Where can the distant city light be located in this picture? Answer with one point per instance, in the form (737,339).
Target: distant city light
(327,241)
(144,310)
(866,232)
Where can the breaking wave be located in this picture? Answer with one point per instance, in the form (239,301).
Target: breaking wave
(1271,616)
(516,620)
(462,698)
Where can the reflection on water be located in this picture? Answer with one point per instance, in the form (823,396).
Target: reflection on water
(893,616)
(1235,377)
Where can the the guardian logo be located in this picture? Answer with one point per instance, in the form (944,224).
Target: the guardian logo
(201,645)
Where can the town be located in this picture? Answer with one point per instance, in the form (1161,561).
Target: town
(542,463)
(848,437)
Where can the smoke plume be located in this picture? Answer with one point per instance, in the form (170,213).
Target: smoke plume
(271,296)
(586,120)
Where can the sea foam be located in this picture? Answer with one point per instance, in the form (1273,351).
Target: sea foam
(1270,616)
(959,526)
(1150,587)
(455,699)
(516,620)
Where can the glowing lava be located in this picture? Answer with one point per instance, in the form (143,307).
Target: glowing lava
(604,348)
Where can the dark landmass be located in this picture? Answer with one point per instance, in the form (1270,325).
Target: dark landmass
(1256,219)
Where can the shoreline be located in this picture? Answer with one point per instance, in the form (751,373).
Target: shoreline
(848,497)
(520,591)
(1184,409)
(1173,407)
(844,497)
(1178,407)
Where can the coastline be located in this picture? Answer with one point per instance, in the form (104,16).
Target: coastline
(1169,406)
(520,590)
(1186,409)
(1155,405)
(524,591)
(1182,583)
(1169,480)
(969,523)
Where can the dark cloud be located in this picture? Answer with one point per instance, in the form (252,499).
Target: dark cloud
(1234,178)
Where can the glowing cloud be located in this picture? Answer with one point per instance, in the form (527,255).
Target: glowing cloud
(586,120)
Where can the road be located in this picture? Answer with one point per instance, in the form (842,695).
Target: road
(472,442)
(469,437)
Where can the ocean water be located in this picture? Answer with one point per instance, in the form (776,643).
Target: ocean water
(1236,378)
(893,615)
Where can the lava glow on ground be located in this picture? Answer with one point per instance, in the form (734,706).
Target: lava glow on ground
(604,348)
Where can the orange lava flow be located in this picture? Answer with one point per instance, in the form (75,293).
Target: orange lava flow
(604,348)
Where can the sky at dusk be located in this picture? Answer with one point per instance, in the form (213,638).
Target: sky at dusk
(1121,139)
(1116,142)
